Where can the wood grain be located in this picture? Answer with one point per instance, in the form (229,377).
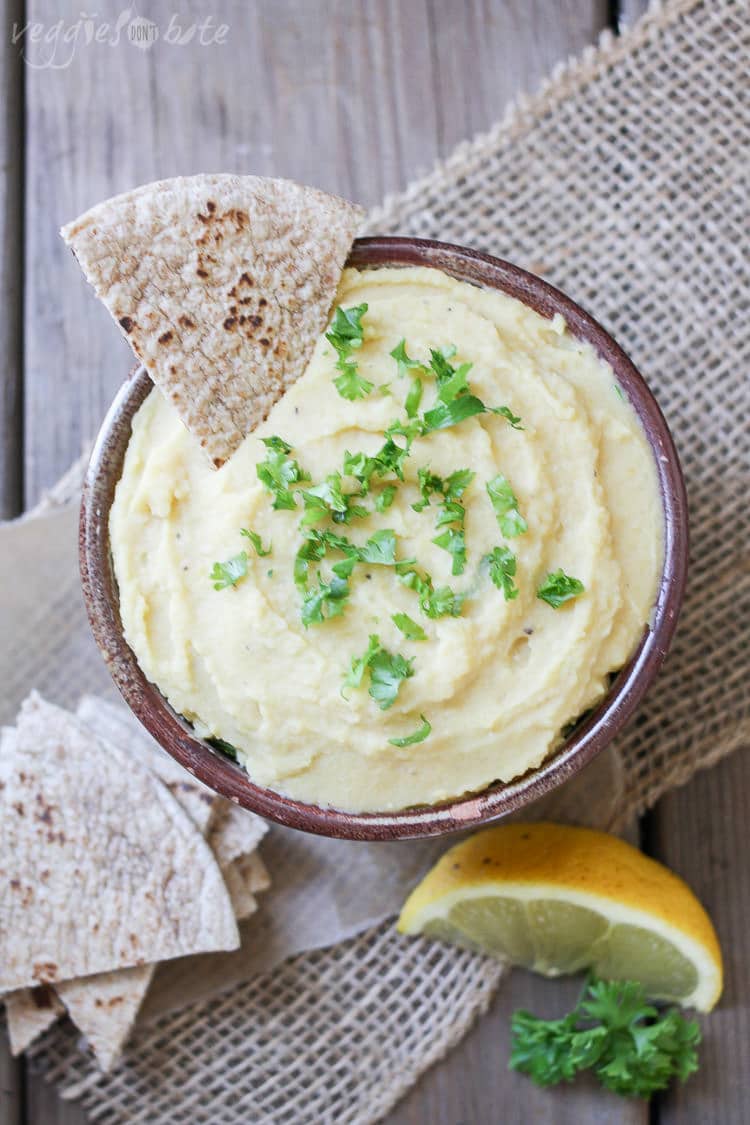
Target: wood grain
(701,831)
(11,169)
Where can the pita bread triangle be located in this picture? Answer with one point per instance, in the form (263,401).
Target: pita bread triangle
(222,285)
(84,825)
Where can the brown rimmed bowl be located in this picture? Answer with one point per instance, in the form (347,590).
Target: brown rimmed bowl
(222,774)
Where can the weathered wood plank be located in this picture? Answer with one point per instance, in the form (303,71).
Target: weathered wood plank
(473,1084)
(701,832)
(11,172)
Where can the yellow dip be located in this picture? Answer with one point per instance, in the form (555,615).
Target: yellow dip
(497,683)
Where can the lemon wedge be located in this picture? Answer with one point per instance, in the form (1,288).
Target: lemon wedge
(557,899)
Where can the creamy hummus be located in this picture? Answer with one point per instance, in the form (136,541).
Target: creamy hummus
(497,683)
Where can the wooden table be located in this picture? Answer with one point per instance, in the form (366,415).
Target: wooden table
(356,96)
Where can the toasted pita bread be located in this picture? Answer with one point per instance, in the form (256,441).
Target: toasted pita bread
(29,1012)
(105,1006)
(235,832)
(254,872)
(244,902)
(222,285)
(118,725)
(100,868)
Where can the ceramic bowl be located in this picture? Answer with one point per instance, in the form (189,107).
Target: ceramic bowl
(219,772)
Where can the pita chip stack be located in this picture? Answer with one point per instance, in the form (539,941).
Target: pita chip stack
(83,825)
(222,285)
(104,1006)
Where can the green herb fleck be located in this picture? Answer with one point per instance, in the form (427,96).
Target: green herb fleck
(346,334)
(505,503)
(447,414)
(278,472)
(404,361)
(229,573)
(380,548)
(413,398)
(327,601)
(257,543)
(408,627)
(385,498)
(360,664)
(502,567)
(454,542)
(559,588)
(416,736)
(387,671)
(509,416)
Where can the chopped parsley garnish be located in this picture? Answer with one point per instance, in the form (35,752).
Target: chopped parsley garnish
(229,573)
(507,413)
(346,334)
(633,1048)
(442,602)
(278,472)
(446,414)
(324,499)
(502,567)
(450,512)
(408,627)
(380,548)
(456,484)
(505,503)
(256,541)
(454,541)
(384,500)
(413,398)
(404,361)
(360,664)
(419,735)
(325,602)
(429,483)
(559,588)
(387,670)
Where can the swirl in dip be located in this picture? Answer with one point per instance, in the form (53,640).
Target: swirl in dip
(500,671)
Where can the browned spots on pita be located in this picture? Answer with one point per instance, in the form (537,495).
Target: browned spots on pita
(127,323)
(230,323)
(201,272)
(44,971)
(264,343)
(166,336)
(210,205)
(186,322)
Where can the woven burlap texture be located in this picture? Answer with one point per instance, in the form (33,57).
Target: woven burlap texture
(625,182)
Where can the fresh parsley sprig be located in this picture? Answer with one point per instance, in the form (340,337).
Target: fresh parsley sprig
(346,335)
(633,1048)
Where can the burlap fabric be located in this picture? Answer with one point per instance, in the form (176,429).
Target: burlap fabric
(625,181)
